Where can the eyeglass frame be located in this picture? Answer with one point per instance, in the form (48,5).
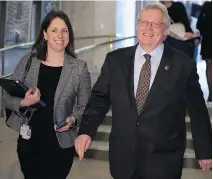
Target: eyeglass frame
(156,25)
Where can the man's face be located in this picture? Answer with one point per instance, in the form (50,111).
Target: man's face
(151,29)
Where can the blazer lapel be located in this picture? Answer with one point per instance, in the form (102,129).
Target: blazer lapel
(35,67)
(163,71)
(66,71)
(128,71)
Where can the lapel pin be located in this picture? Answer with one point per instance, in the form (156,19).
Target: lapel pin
(166,67)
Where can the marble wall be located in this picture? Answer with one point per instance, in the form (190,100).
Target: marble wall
(91,18)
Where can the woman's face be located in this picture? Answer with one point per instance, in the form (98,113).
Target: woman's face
(57,35)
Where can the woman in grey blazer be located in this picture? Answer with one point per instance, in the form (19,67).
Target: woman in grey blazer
(58,78)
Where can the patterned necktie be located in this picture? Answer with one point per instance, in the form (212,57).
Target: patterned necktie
(143,83)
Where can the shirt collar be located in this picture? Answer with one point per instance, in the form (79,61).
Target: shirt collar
(158,51)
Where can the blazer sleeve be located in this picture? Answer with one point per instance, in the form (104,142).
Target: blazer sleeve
(99,103)
(13,103)
(200,121)
(83,94)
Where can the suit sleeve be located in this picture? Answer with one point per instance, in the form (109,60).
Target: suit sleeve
(98,104)
(200,121)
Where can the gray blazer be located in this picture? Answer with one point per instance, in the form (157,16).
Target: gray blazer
(74,85)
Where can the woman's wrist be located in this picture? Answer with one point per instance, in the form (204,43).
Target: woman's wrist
(72,120)
(22,103)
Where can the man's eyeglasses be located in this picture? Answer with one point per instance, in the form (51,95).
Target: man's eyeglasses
(146,23)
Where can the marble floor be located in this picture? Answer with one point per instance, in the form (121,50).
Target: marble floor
(91,169)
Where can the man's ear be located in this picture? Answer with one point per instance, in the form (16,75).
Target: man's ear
(166,32)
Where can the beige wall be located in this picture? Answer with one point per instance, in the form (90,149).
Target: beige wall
(91,18)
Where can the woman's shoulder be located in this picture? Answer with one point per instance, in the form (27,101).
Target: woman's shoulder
(75,60)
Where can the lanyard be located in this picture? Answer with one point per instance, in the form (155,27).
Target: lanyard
(27,115)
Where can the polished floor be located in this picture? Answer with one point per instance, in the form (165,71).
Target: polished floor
(91,169)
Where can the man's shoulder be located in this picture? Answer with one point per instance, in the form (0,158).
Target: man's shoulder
(177,54)
(180,59)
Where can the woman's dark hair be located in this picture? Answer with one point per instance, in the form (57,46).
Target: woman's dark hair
(39,49)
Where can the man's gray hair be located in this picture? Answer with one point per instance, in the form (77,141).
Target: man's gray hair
(158,6)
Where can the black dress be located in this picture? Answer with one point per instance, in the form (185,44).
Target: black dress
(204,24)
(41,157)
(178,14)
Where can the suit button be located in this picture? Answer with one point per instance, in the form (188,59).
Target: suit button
(133,145)
(138,123)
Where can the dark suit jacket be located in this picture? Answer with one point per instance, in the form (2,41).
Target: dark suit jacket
(186,47)
(153,142)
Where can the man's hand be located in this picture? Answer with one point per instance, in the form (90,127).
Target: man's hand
(82,143)
(205,164)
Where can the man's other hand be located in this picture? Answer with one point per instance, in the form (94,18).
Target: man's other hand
(205,164)
(82,143)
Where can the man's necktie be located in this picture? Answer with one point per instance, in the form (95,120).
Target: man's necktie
(143,83)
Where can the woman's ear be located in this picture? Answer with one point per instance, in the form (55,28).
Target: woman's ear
(45,35)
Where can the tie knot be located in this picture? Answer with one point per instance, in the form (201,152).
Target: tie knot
(147,56)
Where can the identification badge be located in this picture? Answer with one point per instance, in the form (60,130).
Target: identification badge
(25,132)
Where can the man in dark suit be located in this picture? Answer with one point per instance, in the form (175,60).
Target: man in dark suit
(148,87)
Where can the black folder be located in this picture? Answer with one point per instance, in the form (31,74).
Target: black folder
(16,88)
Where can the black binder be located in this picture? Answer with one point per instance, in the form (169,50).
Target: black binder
(16,88)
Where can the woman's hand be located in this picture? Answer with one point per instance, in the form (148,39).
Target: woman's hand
(69,120)
(188,35)
(32,96)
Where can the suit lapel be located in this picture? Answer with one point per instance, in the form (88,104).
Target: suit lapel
(163,72)
(128,72)
(65,73)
